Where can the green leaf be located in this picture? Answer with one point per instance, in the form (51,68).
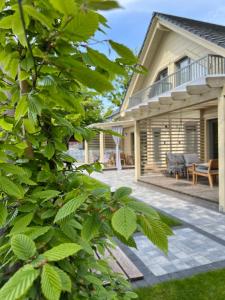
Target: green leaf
(35,231)
(27,63)
(18,285)
(3,96)
(13,169)
(124,52)
(67,7)
(94,280)
(131,295)
(35,14)
(156,231)
(85,75)
(49,151)
(6,22)
(2,4)
(104,5)
(29,126)
(143,208)
(130,242)
(62,251)
(124,222)
(21,108)
(5,125)
(51,285)
(65,280)
(21,223)
(11,188)
(23,246)
(69,207)
(3,214)
(17,28)
(91,227)
(122,192)
(83,26)
(100,60)
(23,75)
(46,195)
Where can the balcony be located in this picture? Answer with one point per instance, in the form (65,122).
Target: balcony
(208,65)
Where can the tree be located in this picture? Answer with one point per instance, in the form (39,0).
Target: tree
(93,108)
(52,220)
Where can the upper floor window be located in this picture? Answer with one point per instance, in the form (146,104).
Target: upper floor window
(162,86)
(162,74)
(182,63)
(184,73)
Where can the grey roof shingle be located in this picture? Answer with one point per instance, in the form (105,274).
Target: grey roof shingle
(211,32)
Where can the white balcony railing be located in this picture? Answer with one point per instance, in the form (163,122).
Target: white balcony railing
(208,65)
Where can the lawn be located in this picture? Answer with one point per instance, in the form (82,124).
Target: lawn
(205,286)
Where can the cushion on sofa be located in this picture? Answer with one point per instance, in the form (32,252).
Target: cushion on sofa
(175,158)
(191,159)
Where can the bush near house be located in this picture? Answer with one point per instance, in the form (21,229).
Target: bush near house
(52,220)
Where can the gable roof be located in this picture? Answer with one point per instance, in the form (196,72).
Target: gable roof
(211,32)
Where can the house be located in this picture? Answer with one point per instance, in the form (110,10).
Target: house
(178,106)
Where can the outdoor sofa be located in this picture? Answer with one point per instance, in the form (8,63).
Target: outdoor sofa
(179,163)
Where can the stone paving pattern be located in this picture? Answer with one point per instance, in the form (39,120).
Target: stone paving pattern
(182,254)
(198,244)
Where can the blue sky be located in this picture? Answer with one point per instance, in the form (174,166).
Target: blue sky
(129,25)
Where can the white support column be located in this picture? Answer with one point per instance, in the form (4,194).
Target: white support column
(221,138)
(86,153)
(137,150)
(101,147)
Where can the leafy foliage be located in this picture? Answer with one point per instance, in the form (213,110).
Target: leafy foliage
(62,251)
(124,221)
(23,246)
(19,283)
(52,219)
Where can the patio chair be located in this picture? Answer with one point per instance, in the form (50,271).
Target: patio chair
(130,160)
(175,163)
(211,170)
(189,160)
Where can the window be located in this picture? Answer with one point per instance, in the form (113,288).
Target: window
(191,136)
(183,70)
(183,62)
(162,74)
(162,86)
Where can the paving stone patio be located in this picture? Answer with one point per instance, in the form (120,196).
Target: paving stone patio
(197,246)
(187,249)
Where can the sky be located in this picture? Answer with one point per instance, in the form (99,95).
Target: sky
(129,24)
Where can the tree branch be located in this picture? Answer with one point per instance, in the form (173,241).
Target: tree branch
(28,42)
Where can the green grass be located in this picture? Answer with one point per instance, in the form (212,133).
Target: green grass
(205,286)
(170,221)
